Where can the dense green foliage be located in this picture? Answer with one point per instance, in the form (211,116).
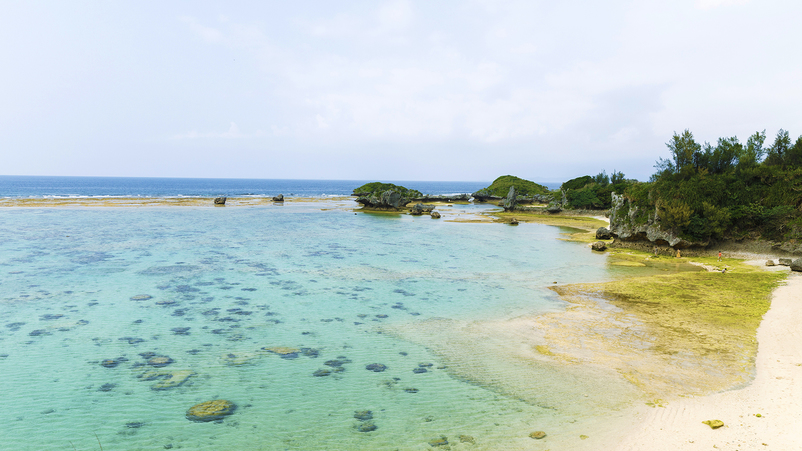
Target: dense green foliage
(501,187)
(589,193)
(729,190)
(379,187)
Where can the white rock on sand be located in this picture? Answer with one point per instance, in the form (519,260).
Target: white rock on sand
(775,394)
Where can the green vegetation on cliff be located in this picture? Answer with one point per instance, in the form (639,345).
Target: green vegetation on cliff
(729,190)
(501,187)
(589,193)
(379,187)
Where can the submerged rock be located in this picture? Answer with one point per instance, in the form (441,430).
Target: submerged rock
(441,441)
(141,297)
(363,415)
(211,410)
(167,379)
(321,373)
(467,439)
(159,361)
(376,367)
(366,426)
(537,435)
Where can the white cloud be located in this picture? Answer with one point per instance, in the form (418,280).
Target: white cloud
(233,132)
(208,34)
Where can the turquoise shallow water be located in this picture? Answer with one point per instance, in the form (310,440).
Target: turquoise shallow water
(225,283)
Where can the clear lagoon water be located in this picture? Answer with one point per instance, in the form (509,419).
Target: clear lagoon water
(278,309)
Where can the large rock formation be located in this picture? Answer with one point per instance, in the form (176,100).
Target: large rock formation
(279,198)
(509,202)
(384,196)
(219,200)
(796,265)
(631,223)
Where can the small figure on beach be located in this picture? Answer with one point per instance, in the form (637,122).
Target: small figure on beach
(678,254)
(719,255)
(724,271)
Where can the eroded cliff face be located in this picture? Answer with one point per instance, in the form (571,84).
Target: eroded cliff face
(631,223)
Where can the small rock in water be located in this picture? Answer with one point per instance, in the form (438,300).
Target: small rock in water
(159,361)
(376,367)
(366,426)
(714,424)
(141,297)
(110,363)
(134,424)
(537,435)
(420,370)
(210,410)
(147,355)
(441,441)
(107,387)
(363,415)
(411,390)
(321,373)
(180,330)
(467,439)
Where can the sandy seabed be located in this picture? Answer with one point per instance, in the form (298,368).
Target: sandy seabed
(775,395)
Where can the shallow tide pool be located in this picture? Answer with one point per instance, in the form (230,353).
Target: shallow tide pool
(278,309)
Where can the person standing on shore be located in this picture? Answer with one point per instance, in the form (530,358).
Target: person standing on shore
(719,255)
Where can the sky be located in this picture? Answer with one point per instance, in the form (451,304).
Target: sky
(387,90)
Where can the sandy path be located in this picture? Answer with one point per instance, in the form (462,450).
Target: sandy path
(775,394)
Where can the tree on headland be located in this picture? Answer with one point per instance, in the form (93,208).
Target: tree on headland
(729,190)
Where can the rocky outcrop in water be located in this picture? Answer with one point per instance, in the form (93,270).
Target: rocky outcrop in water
(219,200)
(435,215)
(631,223)
(603,233)
(599,246)
(387,200)
(443,198)
(279,198)
(419,209)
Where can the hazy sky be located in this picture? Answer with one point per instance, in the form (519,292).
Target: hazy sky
(395,90)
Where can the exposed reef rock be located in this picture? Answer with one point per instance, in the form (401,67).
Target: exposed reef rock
(435,215)
(443,198)
(219,200)
(384,196)
(279,198)
(419,209)
(603,233)
(599,246)
(631,223)
(211,410)
(509,202)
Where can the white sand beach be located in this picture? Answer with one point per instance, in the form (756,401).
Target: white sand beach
(775,395)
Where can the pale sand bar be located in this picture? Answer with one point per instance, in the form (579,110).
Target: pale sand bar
(775,394)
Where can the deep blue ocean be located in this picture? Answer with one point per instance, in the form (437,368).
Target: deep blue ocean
(47,186)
